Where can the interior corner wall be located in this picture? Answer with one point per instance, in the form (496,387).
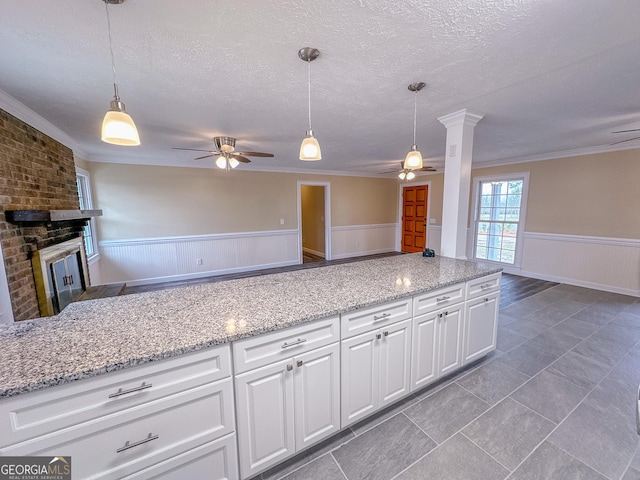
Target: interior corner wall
(162,223)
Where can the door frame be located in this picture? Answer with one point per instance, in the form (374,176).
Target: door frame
(400,205)
(327,216)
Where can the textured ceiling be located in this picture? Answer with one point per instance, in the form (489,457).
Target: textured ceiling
(549,75)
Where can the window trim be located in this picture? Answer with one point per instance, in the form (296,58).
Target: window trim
(524,176)
(81,172)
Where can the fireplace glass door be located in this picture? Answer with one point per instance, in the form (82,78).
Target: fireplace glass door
(67,281)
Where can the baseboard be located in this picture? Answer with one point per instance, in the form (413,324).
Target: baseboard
(314,252)
(577,283)
(212,273)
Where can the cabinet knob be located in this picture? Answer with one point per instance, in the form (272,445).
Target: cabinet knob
(446,313)
(386,334)
(299,363)
(289,367)
(486,299)
(378,336)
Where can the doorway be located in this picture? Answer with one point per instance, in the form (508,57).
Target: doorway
(314,222)
(414,213)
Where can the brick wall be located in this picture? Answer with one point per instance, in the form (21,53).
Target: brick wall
(36,173)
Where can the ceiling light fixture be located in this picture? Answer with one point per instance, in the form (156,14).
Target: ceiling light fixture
(414,157)
(406,174)
(117,127)
(310,148)
(226,162)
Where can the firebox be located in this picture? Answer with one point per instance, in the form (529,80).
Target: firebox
(61,276)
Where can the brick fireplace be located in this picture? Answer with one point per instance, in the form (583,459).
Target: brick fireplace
(36,173)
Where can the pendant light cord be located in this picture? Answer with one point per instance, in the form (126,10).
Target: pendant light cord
(415,115)
(113,63)
(309,89)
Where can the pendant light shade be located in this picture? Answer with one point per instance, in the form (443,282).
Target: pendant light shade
(221,162)
(413,160)
(117,127)
(310,148)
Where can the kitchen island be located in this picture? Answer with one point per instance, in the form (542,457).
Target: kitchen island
(182,329)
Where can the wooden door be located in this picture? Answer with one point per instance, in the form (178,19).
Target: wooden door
(414,218)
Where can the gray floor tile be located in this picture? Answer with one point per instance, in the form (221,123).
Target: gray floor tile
(576,328)
(635,463)
(316,451)
(504,319)
(551,295)
(518,310)
(508,432)
(379,417)
(456,459)
(554,342)
(526,328)
(627,319)
(383,451)
(493,382)
(601,349)
(322,468)
(528,359)
(631,474)
(551,463)
(570,306)
(508,340)
(596,316)
(549,316)
(633,309)
(461,407)
(625,336)
(599,438)
(550,395)
(579,369)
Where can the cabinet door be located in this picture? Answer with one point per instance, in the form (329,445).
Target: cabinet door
(480,326)
(317,394)
(424,369)
(265,416)
(450,339)
(359,379)
(395,362)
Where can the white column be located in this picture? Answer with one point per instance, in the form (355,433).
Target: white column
(457,181)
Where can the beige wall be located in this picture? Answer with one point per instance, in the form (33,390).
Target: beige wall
(313,219)
(141,201)
(591,195)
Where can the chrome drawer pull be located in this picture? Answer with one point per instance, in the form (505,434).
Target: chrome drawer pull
(381,317)
(442,299)
(121,392)
(486,285)
(128,445)
(293,344)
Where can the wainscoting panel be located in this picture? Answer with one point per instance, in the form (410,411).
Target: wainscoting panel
(358,240)
(157,260)
(611,264)
(434,236)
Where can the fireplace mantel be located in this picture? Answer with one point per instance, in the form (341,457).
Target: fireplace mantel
(47,216)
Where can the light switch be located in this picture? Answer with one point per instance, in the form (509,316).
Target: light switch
(282,221)
(432,221)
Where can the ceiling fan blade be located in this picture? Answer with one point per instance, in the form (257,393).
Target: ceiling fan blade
(391,171)
(623,141)
(255,154)
(627,131)
(240,158)
(206,156)
(192,149)
(425,169)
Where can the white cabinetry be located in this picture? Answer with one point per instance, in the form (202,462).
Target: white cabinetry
(375,365)
(142,422)
(481,317)
(286,405)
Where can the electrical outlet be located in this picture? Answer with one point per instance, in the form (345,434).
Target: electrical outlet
(357,244)
(282,221)
(198,261)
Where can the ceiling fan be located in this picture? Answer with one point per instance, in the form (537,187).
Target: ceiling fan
(407,173)
(629,139)
(228,158)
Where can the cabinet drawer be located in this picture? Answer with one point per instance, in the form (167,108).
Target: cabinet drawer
(139,437)
(367,319)
(436,299)
(483,285)
(271,347)
(37,413)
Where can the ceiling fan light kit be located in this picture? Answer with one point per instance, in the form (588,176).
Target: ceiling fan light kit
(228,158)
(310,148)
(117,126)
(413,159)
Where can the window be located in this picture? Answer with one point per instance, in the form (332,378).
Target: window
(500,204)
(86,203)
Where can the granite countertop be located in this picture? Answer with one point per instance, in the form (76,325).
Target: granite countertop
(97,336)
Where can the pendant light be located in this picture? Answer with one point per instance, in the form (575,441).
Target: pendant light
(414,157)
(310,148)
(117,127)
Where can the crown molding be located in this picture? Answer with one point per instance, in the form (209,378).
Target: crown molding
(460,117)
(28,116)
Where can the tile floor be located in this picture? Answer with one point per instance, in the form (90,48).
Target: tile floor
(555,401)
